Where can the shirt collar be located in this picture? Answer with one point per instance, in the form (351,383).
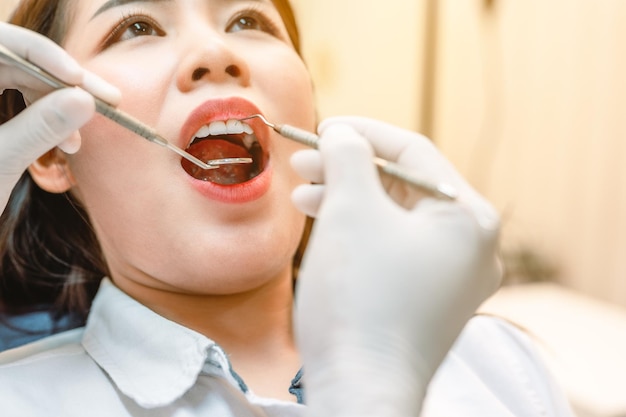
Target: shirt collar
(151,359)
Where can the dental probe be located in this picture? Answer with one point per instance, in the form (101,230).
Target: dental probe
(110,112)
(443,191)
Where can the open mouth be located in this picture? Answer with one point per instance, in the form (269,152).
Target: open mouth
(226,139)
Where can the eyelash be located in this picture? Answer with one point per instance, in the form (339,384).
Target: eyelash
(266,23)
(125,22)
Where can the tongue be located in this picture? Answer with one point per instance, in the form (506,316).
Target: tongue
(216,149)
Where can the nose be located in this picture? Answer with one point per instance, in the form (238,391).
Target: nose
(211,60)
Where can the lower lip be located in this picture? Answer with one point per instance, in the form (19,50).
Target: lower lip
(236,193)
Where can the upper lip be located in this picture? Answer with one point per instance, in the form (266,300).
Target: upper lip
(223,109)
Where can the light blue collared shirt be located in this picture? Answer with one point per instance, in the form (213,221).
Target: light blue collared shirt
(129,361)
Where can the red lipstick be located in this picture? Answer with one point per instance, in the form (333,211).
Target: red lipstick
(230,184)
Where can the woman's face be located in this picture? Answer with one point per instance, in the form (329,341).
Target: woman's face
(181,66)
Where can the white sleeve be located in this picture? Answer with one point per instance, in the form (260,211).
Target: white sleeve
(494,369)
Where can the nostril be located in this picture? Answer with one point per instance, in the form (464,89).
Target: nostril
(199,73)
(233,71)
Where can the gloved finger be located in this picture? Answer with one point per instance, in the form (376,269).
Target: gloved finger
(409,149)
(101,89)
(414,153)
(308,198)
(388,141)
(41,51)
(399,145)
(348,168)
(71,144)
(91,83)
(41,127)
(420,157)
(308,164)
(46,54)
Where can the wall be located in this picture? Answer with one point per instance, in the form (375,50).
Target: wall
(6,6)
(365,57)
(530,105)
(529,102)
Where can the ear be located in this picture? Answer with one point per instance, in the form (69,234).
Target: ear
(51,172)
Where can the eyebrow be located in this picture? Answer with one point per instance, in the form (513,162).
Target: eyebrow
(116,3)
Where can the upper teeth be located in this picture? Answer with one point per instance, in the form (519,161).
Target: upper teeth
(232,126)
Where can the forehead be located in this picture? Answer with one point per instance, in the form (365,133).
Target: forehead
(100,6)
(110,4)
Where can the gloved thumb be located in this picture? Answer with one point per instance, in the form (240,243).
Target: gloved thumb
(348,163)
(47,123)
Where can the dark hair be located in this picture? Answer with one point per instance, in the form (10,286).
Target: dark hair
(49,255)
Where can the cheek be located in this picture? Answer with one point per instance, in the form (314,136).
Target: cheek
(299,99)
(290,87)
(100,164)
(143,91)
(100,151)
(142,72)
(108,149)
(113,181)
(110,166)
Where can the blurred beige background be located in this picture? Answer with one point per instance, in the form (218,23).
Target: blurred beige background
(5,8)
(528,100)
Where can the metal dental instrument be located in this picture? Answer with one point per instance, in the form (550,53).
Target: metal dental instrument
(443,191)
(119,117)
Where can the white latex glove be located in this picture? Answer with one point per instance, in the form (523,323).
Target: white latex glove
(52,120)
(387,283)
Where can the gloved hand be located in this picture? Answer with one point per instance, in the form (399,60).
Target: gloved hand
(52,120)
(390,276)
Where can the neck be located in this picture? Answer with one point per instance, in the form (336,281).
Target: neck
(254,327)
(231,319)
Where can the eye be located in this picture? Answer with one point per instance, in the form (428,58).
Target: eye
(132,27)
(139,29)
(245,23)
(252,20)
